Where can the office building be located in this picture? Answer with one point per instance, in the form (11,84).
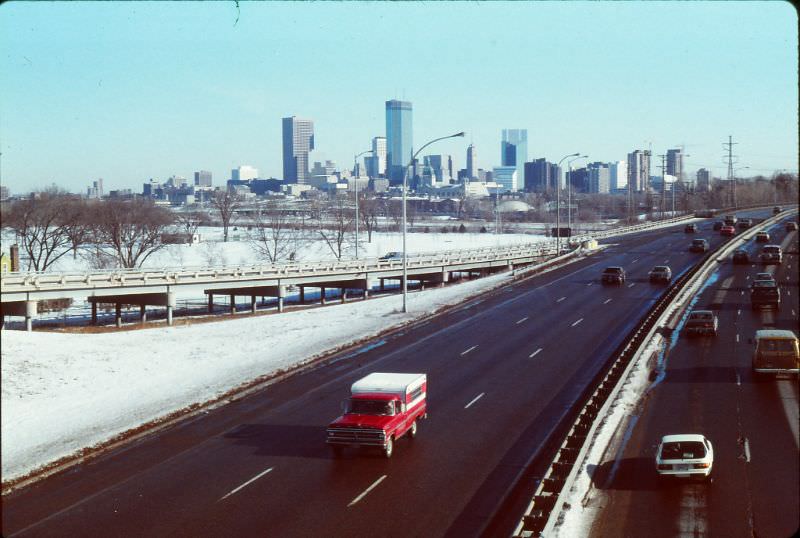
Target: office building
(675,163)
(703,180)
(379,153)
(298,142)
(514,149)
(599,179)
(202,178)
(399,139)
(472,162)
(506,177)
(578,180)
(244,173)
(541,175)
(442,167)
(618,175)
(639,170)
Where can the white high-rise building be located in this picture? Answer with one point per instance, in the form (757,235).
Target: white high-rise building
(472,162)
(618,175)
(506,177)
(639,170)
(244,173)
(379,152)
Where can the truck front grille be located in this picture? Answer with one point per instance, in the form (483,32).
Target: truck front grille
(358,436)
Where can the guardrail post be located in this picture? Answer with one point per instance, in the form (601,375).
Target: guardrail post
(118,314)
(94,313)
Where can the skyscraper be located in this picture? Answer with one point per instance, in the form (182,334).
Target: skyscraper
(639,170)
(599,181)
(399,139)
(514,149)
(202,178)
(675,163)
(379,152)
(298,141)
(618,172)
(703,180)
(541,176)
(244,173)
(472,162)
(506,177)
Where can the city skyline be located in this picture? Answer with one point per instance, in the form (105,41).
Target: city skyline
(123,92)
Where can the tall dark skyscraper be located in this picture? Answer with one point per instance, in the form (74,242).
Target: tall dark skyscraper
(675,163)
(399,140)
(514,150)
(541,176)
(298,141)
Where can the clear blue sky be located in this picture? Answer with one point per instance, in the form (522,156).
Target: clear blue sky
(132,90)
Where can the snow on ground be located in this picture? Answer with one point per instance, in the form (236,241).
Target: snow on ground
(64,392)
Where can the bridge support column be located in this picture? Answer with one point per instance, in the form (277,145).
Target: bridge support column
(343,293)
(118,314)
(253,304)
(143,314)
(322,295)
(170,306)
(233,304)
(382,285)
(281,297)
(31,309)
(94,313)
(302,295)
(366,292)
(210,303)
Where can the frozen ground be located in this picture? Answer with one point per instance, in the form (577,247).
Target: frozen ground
(64,392)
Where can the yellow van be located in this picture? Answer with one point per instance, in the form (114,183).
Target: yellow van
(776,352)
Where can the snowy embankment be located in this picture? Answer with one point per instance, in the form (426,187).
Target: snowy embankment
(65,392)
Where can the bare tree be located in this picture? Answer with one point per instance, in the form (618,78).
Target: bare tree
(275,234)
(41,225)
(335,224)
(226,202)
(369,208)
(132,228)
(394,210)
(188,222)
(78,224)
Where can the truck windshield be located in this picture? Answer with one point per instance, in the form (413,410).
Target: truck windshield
(370,407)
(776,345)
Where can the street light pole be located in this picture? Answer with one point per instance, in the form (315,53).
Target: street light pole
(405,188)
(558,201)
(569,191)
(355,182)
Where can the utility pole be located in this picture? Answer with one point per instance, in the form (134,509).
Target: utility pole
(663,182)
(731,180)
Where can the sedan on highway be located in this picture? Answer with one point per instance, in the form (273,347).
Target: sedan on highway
(727,230)
(690,228)
(613,275)
(744,224)
(762,237)
(698,245)
(660,273)
(718,225)
(771,254)
(701,322)
(740,256)
(685,456)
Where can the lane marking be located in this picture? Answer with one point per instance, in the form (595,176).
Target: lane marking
(739,312)
(374,484)
(532,355)
(577,322)
(589,284)
(522,320)
(742,293)
(747,277)
(793,314)
(737,337)
(632,284)
(746,450)
(636,260)
(738,380)
(789,401)
(607,301)
(256,477)
(467,350)
(666,261)
(565,298)
(478,397)
(788,292)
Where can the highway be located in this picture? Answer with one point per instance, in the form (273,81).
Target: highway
(708,388)
(502,371)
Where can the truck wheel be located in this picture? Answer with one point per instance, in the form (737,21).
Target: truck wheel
(389,448)
(413,431)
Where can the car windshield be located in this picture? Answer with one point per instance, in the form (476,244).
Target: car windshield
(660,269)
(772,250)
(782,345)
(370,407)
(698,242)
(683,450)
(764,284)
(701,315)
(613,270)
(764,276)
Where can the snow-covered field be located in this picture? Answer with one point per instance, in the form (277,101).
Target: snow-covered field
(65,392)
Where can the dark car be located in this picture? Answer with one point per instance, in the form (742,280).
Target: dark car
(698,245)
(740,256)
(727,230)
(762,237)
(690,229)
(701,322)
(765,293)
(660,273)
(791,226)
(390,256)
(744,224)
(776,210)
(771,254)
(613,275)
(718,225)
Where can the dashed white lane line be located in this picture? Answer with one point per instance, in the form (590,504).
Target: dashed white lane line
(738,380)
(737,337)
(788,292)
(467,350)
(577,322)
(532,355)
(374,484)
(746,450)
(561,299)
(793,314)
(632,284)
(666,261)
(589,284)
(636,260)
(475,399)
(256,477)
(607,301)
(747,277)
(742,293)
(739,312)
(522,320)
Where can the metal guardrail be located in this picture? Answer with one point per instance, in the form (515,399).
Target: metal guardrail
(545,506)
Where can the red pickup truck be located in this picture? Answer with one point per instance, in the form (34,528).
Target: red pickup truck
(382,408)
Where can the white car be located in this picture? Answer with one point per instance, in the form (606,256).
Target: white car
(685,456)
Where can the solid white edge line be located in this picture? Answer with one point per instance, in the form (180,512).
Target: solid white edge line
(577,322)
(467,350)
(523,319)
(532,355)
(256,477)
(374,484)
(475,399)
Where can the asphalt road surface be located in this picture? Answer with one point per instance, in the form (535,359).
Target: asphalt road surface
(502,370)
(709,388)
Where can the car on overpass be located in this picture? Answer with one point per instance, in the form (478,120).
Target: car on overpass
(730,220)
(701,322)
(685,456)
(765,293)
(698,245)
(660,273)
(391,256)
(727,230)
(741,256)
(776,352)
(762,237)
(613,275)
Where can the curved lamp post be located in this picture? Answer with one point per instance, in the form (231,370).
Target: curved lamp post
(569,190)
(558,201)
(355,182)
(405,188)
